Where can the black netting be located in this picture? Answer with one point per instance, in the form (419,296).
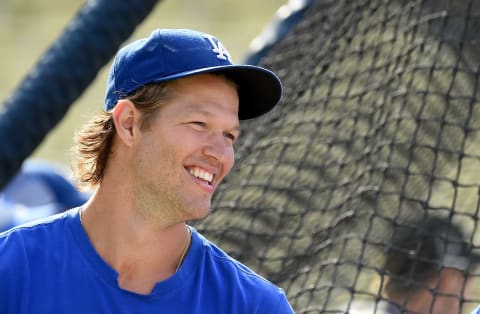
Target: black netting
(378,131)
(378,128)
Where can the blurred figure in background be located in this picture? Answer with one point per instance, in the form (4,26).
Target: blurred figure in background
(428,268)
(39,189)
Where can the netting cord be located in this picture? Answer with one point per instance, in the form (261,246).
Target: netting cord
(61,75)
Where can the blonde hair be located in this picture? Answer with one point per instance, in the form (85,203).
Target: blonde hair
(93,142)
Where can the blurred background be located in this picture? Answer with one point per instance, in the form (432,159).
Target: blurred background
(382,130)
(29,27)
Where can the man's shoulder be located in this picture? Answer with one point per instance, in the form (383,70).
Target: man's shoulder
(233,274)
(35,234)
(228,264)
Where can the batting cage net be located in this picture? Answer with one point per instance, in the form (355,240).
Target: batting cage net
(376,139)
(378,131)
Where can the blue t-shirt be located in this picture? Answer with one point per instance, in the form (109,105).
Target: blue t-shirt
(50,266)
(476,311)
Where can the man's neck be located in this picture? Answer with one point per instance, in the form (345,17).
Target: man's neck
(143,253)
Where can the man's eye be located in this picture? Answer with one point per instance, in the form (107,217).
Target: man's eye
(199,123)
(230,136)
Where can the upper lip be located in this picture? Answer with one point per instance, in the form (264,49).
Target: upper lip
(203,173)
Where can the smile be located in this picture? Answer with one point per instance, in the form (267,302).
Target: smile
(202,174)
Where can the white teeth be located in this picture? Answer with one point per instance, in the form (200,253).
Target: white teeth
(201,174)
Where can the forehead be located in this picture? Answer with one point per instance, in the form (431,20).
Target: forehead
(211,79)
(206,94)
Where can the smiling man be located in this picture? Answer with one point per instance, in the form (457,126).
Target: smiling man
(156,155)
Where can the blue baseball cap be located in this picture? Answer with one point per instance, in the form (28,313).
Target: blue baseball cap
(170,54)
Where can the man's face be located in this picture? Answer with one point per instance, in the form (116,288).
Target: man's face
(452,288)
(181,158)
(449,286)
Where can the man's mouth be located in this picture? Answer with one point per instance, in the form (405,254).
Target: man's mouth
(202,174)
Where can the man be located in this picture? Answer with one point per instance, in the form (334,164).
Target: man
(156,154)
(428,268)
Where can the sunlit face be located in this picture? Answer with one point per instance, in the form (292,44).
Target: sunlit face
(181,159)
(452,288)
(449,287)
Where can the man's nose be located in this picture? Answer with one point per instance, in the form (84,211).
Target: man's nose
(218,147)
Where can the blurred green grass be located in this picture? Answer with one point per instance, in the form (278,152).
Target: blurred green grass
(29,27)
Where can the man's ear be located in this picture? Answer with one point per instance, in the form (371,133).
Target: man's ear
(126,117)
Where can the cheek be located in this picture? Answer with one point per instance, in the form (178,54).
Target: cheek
(227,163)
(230,160)
(156,154)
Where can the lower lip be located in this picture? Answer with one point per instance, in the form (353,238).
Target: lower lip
(207,187)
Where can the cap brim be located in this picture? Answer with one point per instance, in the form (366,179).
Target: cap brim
(259,90)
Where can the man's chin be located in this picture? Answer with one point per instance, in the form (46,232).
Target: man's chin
(201,213)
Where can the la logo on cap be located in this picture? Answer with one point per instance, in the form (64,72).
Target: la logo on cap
(218,48)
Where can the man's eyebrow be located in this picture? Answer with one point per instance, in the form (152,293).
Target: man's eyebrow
(236,129)
(192,110)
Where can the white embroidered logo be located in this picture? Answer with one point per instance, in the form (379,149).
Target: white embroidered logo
(218,48)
